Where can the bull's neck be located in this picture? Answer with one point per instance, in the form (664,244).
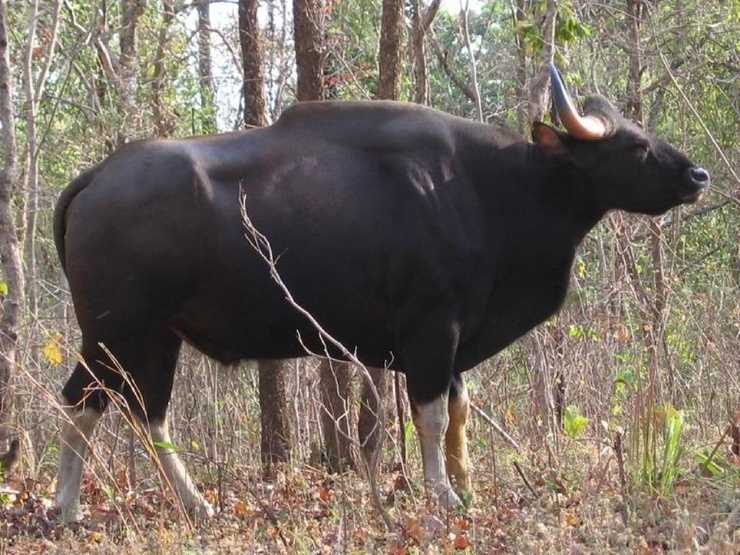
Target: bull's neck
(527,187)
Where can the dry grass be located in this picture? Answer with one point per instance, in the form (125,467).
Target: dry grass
(578,504)
(578,508)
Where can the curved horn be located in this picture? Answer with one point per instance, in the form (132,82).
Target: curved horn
(587,128)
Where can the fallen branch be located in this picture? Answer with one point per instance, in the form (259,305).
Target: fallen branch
(495,425)
(524,479)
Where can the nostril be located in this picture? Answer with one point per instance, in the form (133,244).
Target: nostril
(700,176)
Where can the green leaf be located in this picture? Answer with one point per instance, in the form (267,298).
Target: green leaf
(165,445)
(711,466)
(4,289)
(408,432)
(574,423)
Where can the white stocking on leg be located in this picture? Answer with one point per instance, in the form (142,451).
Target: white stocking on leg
(431,421)
(74,446)
(176,473)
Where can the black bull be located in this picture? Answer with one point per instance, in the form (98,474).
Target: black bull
(426,242)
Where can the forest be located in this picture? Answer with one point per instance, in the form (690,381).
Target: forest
(613,427)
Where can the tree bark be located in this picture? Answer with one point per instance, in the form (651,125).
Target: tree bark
(336,414)
(422,20)
(391,42)
(34,88)
(308,49)
(12,297)
(131,11)
(655,311)
(275,434)
(633,108)
(334,382)
(539,89)
(163,122)
(275,426)
(371,418)
(371,421)
(519,9)
(471,57)
(255,114)
(205,70)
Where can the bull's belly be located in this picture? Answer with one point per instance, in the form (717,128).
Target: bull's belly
(233,332)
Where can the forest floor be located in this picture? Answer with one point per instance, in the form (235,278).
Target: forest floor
(576,506)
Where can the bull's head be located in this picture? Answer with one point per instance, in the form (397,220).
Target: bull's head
(631,169)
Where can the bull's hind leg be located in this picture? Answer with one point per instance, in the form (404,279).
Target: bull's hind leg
(84,401)
(82,416)
(152,367)
(456,443)
(150,363)
(175,472)
(74,446)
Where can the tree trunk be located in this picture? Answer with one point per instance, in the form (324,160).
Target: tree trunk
(275,434)
(336,414)
(205,71)
(521,65)
(12,294)
(131,11)
(391,41)
(471,57)
(422,20)
(654,312)
(334,385)
(371,421)
(164,124)
(307,25)
(540,86)
(255,114)
(34,87)
(275,426)
(633,108)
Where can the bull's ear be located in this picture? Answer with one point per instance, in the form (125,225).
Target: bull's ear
(548,137)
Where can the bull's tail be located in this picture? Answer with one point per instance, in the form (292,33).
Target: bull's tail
(60,212)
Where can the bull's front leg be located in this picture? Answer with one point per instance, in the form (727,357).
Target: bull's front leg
(428,357)
(456,443)
(431,420)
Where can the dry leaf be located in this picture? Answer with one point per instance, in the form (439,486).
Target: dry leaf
(325,494)
(461,542)
(240,509)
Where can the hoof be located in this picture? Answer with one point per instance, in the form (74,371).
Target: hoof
(445,496)
(201,511)
(466,496)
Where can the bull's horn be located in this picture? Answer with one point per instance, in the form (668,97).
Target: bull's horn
(586,128)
